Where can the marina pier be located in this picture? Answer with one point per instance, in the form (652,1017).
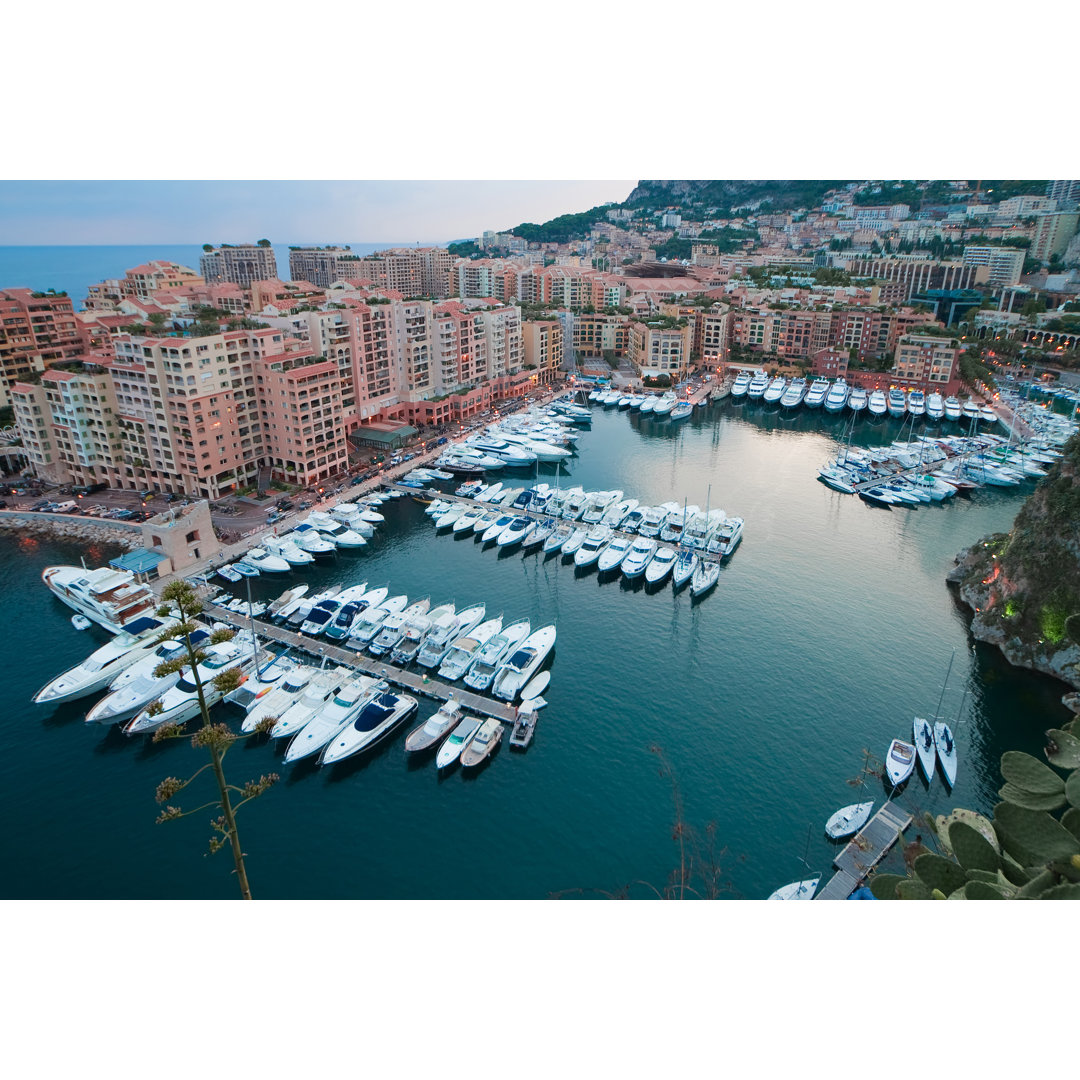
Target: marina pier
(864,851)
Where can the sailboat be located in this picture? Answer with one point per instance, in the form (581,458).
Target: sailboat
(944,742)
(923,737)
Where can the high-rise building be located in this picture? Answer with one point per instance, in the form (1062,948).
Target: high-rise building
(141,281)
(319,265)
(916,275)
(1052,234)
(1004,264)
(543,347)
(1065,191)
(239,263)
(36,329)
(926,359)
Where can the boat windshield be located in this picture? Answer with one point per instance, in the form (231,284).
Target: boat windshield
(521,658)
(186,686)
(372,715)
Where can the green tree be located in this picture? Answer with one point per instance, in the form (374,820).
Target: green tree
(264,243)
(179,596)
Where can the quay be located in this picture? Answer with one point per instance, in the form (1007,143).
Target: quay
(864,851)
(409,680)
(425,494)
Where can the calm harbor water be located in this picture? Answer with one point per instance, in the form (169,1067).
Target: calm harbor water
(829,629)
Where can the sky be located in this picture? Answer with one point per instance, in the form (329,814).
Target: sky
(308,211)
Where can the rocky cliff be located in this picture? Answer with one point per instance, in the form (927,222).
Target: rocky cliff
(1024,586)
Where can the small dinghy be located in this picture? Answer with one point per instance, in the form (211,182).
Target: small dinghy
(899,761)
(848,820)
(945,746)
(535,688)
(80,622)
(797,890)
(923,737)
(229,574)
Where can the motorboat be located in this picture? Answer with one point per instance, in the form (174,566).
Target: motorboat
(574,541)
(970,409)
(916,403)
(595,541)
(265,561)
(664,405)
(338,629)
(611,558)
(797,890)
(896,402)
(923,737)
(292,553)
(878,404)
(647,406)
(488,658)
(449,518)
(953,410)
(660,565)
(683,570)
(574,505)
(81,622)
(337,711)
(740,385)
(392,631)
(365,628)
(320,616)
(377,719)
(322,685)
(443,634)
(229,574)
(638,557)
(558,537)
(848,820)
(837,397)
(415,630)
(818,392)
(274,701)
(682,410)
(617,512)
(313,541)
(515,532)
(774,391)
(878,497)
(538,536)
(137,685)
(633,520)
(286,599)
(435,727)
(899,761)
(759,383)
(597,506)
(491,492)
(987,415)
(181,701)
(836,477)
(103,665)
(466,522)
(656,518)
(677,520)
(857,399)
(523,663)
(460,737)
(465,647)
(111,598)
(493,531)
(705,576)
(245,570)
(795,393)
(482,744)
(945,745)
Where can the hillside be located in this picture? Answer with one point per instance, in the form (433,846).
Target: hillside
(730,194)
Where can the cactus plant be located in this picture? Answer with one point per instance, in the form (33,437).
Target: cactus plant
(1072,788)
(1064,749)
(1030,773)
(981,890)
(940,873)
(1035,833)
(1029,800)
(883,886)
(912,889)
(971,848)
(1071,820)
(1066,891)
(1037,885)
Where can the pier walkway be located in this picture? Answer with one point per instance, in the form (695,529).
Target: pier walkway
(864,851)
(409,680)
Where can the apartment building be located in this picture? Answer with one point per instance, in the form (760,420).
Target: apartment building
(413,272)
(277,296)
(542,341)
(927,360)
(915,275)
(660,350)
(1064,191)
(239,263)
(1004,265)
(319,265)
(1052,234)
(596,334)
(36,329)
(711,336)
(142,281)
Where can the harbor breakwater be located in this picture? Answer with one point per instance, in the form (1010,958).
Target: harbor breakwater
(71,527)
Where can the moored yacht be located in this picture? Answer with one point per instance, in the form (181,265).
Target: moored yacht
(460,737)
(775,390)
(660,565)
(795,393)
(857,399)
(878,404)
(815,396)
(935,406)
(111,598)
(321,686)
(465,647)
(335,713)
(377,719)
(415,630)
(638,557)
(837,397)
(759,383)
(595,541)
(896,402)
(482,744)
(442,635)
(952,408)
(437,725)
(488,658)
(740,385)
(523,663)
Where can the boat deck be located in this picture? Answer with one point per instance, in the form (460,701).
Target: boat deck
(538,515)
(864,851)
(408,680)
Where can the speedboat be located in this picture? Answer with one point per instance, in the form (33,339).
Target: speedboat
(638,557)
(292,553)
(597,506)
(244,570)
(320,617)
(467,521)
(335,713)
(595,541)
(263,700)
(443,634)
(493,531)
(265,562)
(363,630)
(836,477)
(664,405)
(229,574)
(815,396)
(655,519)
(848,820)
(837,397)
(683,570)
(677,521)
(449,517)
(465,647)
(617,513)
(935,406)
(633,520)
(523,663)
(952,408)
(434,727)
(795,393)
(286,599)
(899,761)
(515,532)
(111,598)
(482,744)
(740,385)
(705,576)
(945,745)
(797,890)
(660,565)
(574,541)
(460,737)
(574,504)
(376,720)
(392,631)
(312,541)
(896,402)
(611,558)
(415,630)
(916,403)
(487,659)
(878,404)
(775,390)
(647,406)
(759,383)
(857,399)
(557,538)
(321,686)
(923,737)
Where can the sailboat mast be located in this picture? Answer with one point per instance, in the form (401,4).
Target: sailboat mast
(937,711)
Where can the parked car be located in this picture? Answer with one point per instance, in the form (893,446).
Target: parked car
(275,516)
(122,515)
(41,504)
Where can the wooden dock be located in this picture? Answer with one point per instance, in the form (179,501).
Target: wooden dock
(408,680)
(864,851)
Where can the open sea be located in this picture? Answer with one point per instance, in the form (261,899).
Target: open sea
(831,626)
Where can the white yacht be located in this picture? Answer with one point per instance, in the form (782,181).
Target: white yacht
(660,565)
(837,397)
(574,504)
(495,529)
(415,630)
(727,539)
(655,519)
(111,598)
(775,390)
(595,541)
(558,538)
(795,393)
(465,647)
(672,531)
(638,557)
(705,576)
(611,558)
(818,392)
(335,713)
(952,408)
(574,541)
(334,531)
(467,521)
(482,744)
(515,532)
(320,617)
(460,738)
(759,383)
(272,700)
(312,540)
(322,685)
(597,505)
(265,561)
(441,637)
(365,628)
(523,663)
(685,564)
(896,402)
(916,403)
(633,520)
(878,404)
(103,665)
(377,719)
(392,631)
(666,403)
(741,384)
(935,406)
(435,727)
(485,663)
(290,551)
(617,513)
(857,399)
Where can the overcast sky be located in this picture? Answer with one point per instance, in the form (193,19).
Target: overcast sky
(216,211)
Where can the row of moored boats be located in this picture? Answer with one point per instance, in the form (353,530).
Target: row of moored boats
(666,406)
